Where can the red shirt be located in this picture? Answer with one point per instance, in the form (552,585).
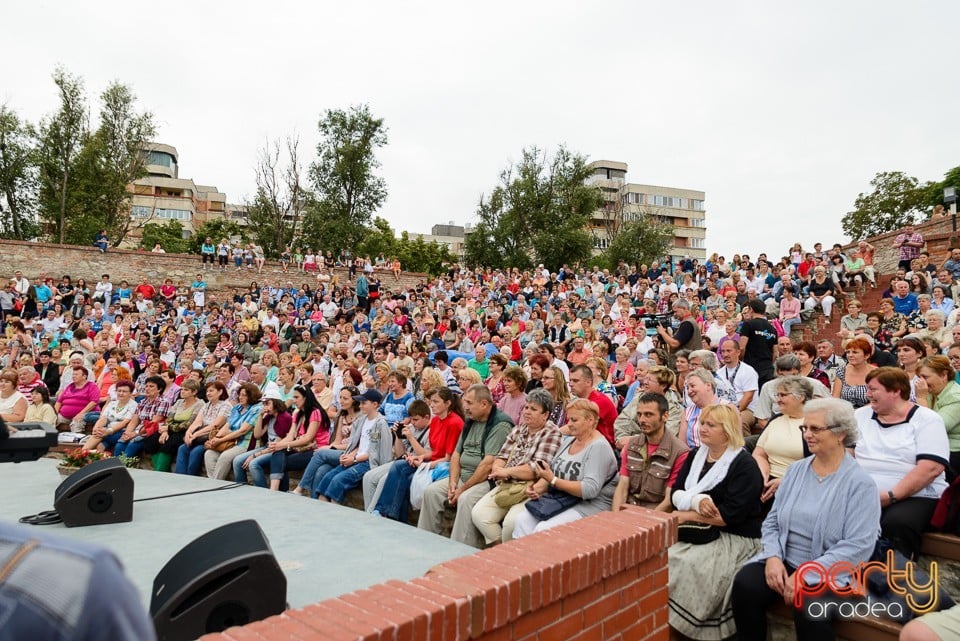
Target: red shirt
(443,435)
(147,290)
(608,414)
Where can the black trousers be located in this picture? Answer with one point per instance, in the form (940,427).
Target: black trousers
(752,597)
(904,522)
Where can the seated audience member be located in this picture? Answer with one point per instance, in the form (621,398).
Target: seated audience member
(717,498)
(13,404)
(273,424)
(934,626)
(417,447)
(327,457)
(114,419)
(207,423)
(370,446)
(826,510)
(532,442)
(584,467)
(484,432)
(936,389)
(232,440)
(77,400)
(309,430)
(40,409)
(905,449)
(651,460)
(781,442)
(151,413)
(163,445)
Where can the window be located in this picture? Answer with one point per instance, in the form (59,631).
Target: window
(696,205)
(162,159)
(139,211)
(697,222)
(697,243)
(634,198)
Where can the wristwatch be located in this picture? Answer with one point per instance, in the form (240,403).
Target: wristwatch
(893,499)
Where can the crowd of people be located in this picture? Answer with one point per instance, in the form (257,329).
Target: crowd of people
(523,400)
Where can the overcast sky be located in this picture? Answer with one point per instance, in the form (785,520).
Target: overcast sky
(781,113)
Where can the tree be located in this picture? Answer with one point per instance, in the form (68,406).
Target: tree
(169,235)
(217,230)
(417,255)
(275,211)
(896,200)
(117,158)
(639,242)
(378,239)
(346,188)
(18,177)
(539,212)
(61,137)
(934,193)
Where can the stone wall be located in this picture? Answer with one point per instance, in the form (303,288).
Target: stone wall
(603,577)
(939,235)
(36,259)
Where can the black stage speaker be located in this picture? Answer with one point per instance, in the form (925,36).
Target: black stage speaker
(226,577)
(101,492)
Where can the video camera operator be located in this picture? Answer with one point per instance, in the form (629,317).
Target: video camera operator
(687,335)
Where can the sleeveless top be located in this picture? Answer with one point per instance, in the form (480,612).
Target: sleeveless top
(856,395)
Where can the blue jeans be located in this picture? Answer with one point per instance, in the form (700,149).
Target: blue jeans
(394,500)
(258,465)
(132,448)
(789,324)
(283,461)
(320,463)
(189,459)
(110,441)
(335,483)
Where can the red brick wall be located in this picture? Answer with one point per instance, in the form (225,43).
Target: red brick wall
(937,233)
(600,578)
(88,263)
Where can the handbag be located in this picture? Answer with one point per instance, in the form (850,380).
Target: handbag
(551,504)
(697,533)
(509,493)
(421,479)
(150,427)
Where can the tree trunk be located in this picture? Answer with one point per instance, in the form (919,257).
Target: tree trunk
(63,206)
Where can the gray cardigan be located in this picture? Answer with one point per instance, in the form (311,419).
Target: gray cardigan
(381,440)
(848,520)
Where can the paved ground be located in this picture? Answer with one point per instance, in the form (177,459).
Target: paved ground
(324,550)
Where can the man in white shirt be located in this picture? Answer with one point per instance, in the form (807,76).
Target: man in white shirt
(258,376)
(745,382)
(329,309)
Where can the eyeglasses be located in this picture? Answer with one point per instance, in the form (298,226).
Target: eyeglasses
(812,429)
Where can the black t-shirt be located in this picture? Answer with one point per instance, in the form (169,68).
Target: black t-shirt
(761,339)
(684,332)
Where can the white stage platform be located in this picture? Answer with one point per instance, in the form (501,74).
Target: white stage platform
(324,550)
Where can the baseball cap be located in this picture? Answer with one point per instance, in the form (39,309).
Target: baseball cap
(370,395)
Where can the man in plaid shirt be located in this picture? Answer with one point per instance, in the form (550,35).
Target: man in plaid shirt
(909,243)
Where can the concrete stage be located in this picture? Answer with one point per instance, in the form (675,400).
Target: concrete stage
(324,550)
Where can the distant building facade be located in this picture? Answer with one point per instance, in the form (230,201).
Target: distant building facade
(451,235)
(162,195)
(682,209)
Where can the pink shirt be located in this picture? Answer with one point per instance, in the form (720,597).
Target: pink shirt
(72,400)
(789,308)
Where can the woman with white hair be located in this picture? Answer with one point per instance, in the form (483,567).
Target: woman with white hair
(827,510)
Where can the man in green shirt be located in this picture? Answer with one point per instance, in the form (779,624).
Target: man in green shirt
(479,362)
(484,433)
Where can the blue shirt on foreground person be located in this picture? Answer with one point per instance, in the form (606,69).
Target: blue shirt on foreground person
(58,589)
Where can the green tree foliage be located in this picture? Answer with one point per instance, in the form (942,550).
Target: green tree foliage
(217,229)
(934,192)
(538,212)
(343,178)
(896,200)
(275,211)
(418,255)
(61,138)
(117,158)
(378,239)
(639,242)
(169,235)
(18,177)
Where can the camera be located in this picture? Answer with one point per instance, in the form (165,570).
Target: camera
(652,321)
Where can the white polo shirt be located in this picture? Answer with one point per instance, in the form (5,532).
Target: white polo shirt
(890,452)
(742,378)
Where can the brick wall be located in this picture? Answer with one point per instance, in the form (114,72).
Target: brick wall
(938,234)
(88,263)
(600,578)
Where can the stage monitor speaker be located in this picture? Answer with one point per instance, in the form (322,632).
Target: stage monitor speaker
(101,492)
(224,578)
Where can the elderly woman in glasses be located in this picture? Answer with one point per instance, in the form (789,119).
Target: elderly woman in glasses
(780,443)
(827,510)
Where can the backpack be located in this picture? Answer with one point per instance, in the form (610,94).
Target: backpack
(946,516)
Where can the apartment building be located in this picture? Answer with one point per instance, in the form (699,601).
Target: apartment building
(163,195)
(683,209)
